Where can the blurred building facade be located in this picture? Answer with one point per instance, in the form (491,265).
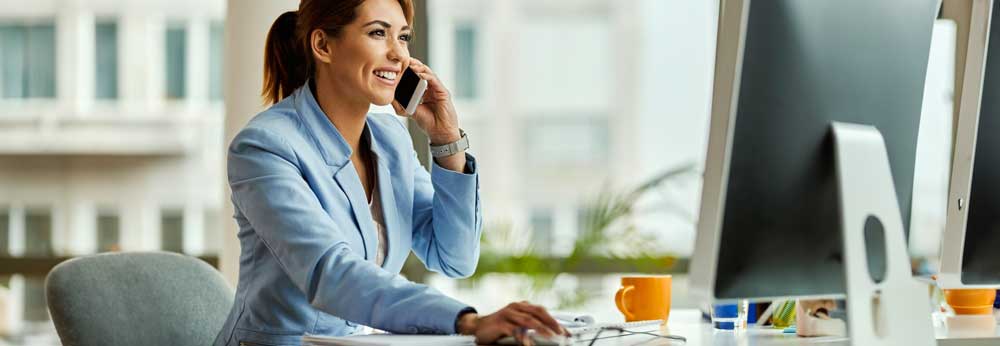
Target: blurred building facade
(562,99)
(110,131)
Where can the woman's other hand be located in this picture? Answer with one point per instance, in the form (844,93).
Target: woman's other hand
(512,320)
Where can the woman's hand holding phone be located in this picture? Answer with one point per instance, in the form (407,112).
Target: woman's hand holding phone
(436,114)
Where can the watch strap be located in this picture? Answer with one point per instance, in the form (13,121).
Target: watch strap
(452,148)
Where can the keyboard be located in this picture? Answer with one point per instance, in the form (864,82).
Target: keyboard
(594,328)
(579,333)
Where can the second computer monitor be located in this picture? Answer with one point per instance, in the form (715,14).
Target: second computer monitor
(785,70)
(981,258)
(970,253)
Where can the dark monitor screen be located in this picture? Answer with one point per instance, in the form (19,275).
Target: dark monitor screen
(808,63)
(981,255)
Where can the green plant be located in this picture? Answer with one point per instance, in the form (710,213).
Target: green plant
(606,220)
(609,209)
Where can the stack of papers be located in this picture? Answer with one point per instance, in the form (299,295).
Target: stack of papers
(389,340)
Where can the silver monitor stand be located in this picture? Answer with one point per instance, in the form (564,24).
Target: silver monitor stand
(895,310)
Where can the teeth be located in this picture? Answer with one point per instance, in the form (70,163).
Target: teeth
(386,74)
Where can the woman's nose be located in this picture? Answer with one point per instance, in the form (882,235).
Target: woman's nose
(397,51)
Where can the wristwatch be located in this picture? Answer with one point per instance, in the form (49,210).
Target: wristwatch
(451,148)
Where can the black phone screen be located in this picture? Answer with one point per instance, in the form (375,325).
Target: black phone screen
(407,84)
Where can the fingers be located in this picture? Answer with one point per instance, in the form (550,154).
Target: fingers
(520,320)
(522,336)
(525,320)
(540,314)
(427,98)
(419,67)
(432,82)
(416,62)
(429,76)
(399,108)
(426,73)
(506,327)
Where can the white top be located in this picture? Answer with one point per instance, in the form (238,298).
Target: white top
(375,206)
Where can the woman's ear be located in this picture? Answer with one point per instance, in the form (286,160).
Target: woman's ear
(319,44)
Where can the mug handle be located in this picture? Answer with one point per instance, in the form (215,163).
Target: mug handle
(620,301)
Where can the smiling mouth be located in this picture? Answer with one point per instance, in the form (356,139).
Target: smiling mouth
(387,76)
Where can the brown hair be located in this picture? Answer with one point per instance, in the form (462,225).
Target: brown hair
(288,61)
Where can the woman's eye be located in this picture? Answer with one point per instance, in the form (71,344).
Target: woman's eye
(405,38)
(379,33)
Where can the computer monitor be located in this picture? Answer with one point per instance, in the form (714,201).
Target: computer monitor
(970,251)
(785,70)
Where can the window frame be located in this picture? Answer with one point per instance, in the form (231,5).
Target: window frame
(183,26)
(213,25)
(163,214)
(102,213)
(26,24)
(51,211)
(117,68)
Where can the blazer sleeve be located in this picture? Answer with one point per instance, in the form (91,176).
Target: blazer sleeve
(447,218)
(268,189)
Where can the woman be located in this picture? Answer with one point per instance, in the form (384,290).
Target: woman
(330,200)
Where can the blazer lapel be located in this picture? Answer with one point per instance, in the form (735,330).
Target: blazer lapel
(337,154)
(397,251)
(389,213)
(349,182)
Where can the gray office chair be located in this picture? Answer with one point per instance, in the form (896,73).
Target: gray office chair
(134,298)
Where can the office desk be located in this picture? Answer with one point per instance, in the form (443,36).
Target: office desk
(688,323)
(967,332)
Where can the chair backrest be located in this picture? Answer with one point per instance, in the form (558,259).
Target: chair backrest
(151,298)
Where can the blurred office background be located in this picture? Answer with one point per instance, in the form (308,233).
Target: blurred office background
(113,126)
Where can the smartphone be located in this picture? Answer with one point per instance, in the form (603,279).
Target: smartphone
(410,90)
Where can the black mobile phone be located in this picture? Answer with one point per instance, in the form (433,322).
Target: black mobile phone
(410,90)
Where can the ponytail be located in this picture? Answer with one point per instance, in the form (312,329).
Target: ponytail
(286,67)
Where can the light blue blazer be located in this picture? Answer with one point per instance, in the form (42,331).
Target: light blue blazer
(307,260)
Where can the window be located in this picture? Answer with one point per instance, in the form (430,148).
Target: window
(108,232)
(172,230)
(584,219)
(567,140)
(38,243)
(465,61)
(542,229)
(106,58)
(176,64)
(213,231)
(564,63)
(38,233)
(215,58)
(27,61)
(35,306)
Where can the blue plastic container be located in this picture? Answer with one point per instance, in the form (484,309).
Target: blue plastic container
(725,316)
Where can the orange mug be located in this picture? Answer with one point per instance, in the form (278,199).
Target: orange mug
(971,301)
(644,298)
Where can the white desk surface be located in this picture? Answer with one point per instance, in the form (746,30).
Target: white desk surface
(688,323)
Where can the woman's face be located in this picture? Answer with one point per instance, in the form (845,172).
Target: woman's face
(368,56)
